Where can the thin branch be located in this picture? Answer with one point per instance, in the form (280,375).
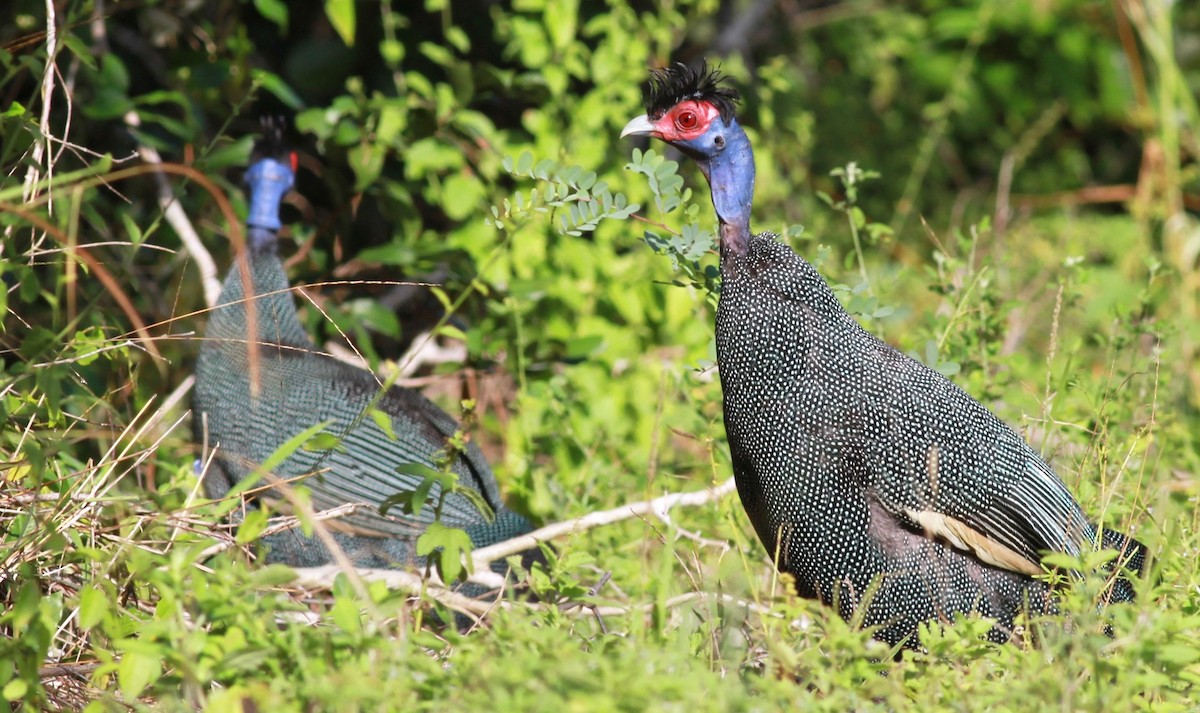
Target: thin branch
(321,578)
(80,670)
(42,146)
(178,219)
(482,558)
(658,507)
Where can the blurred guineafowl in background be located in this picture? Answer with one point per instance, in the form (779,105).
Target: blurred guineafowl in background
(298,388)
(858,465)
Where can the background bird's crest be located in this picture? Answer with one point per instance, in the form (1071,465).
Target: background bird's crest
(273,143)
(670,85)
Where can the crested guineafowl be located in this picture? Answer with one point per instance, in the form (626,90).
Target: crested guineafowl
(298,387)
(870,478)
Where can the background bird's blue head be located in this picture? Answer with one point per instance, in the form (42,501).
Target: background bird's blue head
(690,110)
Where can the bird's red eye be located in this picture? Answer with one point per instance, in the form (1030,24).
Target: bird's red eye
(687,120)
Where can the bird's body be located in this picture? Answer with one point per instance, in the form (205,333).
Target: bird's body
(297,388)
(831,446)
(869,477)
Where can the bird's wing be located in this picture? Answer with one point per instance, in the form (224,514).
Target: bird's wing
(939,458)
(362,467)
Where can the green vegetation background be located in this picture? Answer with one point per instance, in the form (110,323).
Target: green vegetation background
(1033,233)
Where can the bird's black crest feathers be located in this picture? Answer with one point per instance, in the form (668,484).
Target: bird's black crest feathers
(670,85)
(272,143)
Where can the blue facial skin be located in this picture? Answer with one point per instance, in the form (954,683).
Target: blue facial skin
(727,161)
(269,180)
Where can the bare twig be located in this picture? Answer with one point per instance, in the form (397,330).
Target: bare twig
(81,670)
(179,221)
(321,578)
(658,507)
(42,146)
(483,557)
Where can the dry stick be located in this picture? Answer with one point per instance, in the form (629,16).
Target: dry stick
(42,146)
(659,507)
(80,670)
(321,578)
(177,217)
(313,577)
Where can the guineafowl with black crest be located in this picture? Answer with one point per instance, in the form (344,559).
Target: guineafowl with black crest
(870,478)
(261,382)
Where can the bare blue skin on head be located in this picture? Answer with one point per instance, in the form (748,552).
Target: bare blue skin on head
(726,159)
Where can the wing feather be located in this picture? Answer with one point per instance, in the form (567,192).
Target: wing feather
(941,459)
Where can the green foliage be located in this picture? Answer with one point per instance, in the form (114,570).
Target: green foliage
(588,357)
(587,202)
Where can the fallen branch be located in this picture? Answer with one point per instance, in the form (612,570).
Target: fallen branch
(321,578)
(81,670)
(659,507)
(482,558)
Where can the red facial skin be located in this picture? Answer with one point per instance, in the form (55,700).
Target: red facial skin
(686,120)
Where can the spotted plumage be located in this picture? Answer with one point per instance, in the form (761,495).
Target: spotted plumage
(870,477)
(296,388)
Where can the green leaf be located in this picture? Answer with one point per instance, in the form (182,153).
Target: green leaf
(252,526)
(274,10)
(392,52)
(478,501)
(561,18)
(366,159)
(137,670)
(462,196)
(278,88)
(347,614)
(93,605)
(451,544)
(324,441)
(341,16)
(411,501)
(449,330)
(383,421)
(15,689)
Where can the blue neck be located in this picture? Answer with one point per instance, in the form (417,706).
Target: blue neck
(730,175)
(269,182)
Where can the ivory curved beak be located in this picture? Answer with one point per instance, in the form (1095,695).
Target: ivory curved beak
(639,126)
